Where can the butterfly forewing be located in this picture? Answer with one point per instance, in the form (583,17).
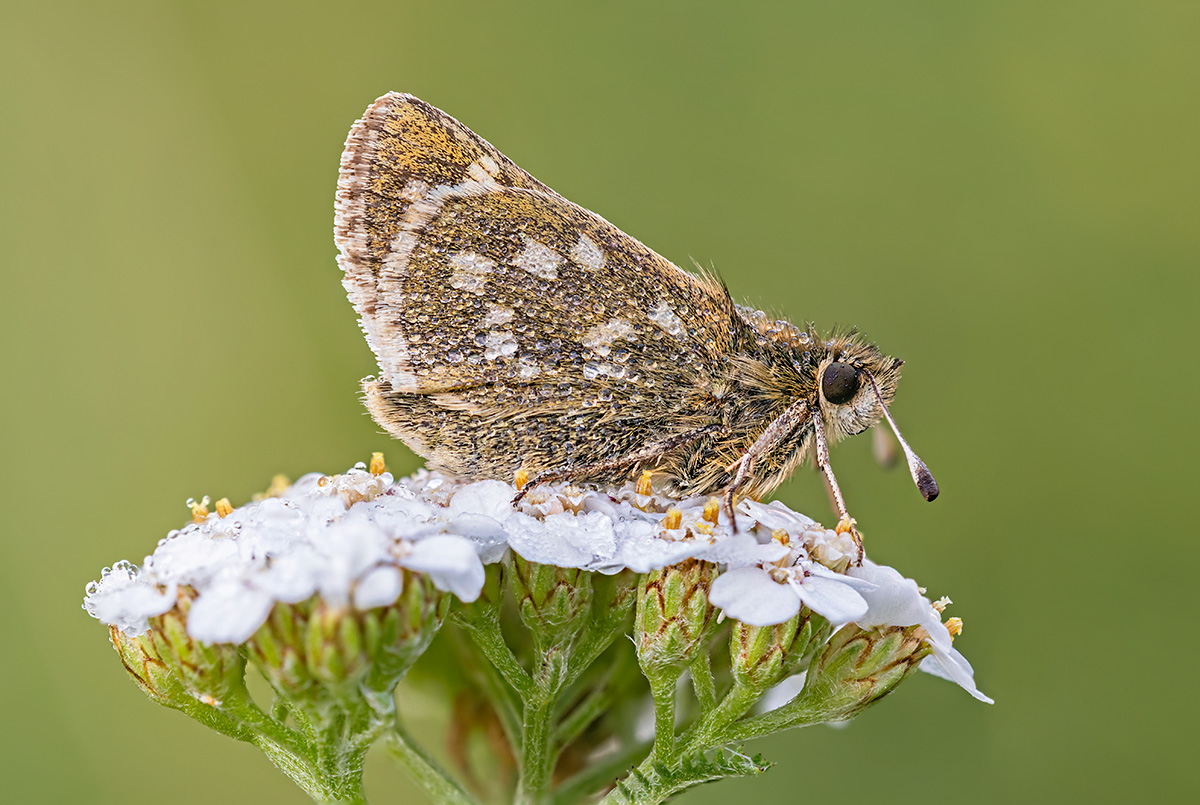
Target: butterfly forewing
(466,272)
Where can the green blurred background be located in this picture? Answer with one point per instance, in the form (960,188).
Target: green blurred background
(1002,193)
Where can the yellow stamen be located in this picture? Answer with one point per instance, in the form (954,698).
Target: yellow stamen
(199,509)
(712,510)
(224,507)
(279,485)
(377,466)
(954,626)
(643,484)
(846,525)
(781,536)
(521,479)
(672,520)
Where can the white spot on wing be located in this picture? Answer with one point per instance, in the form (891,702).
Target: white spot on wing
(479,172)
(588,254)
(470,271)
(414,190)
(600,338)
(664,316)
(528,367)
(595,369)
(496,315)
(499,344)
(538,260)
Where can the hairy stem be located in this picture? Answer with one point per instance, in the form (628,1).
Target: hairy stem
(424,771)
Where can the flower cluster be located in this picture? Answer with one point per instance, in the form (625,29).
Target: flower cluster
(334,587)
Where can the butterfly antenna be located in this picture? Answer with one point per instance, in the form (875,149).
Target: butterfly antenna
(921,475)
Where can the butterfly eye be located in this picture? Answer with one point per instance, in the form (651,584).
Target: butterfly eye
(839,383)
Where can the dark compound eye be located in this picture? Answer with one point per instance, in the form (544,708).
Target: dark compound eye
(839,383)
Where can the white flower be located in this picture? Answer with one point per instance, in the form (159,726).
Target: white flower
(775,515)
(123,600)
(345,539)
(828,547)
(763,597)
(598,531)
(897,601)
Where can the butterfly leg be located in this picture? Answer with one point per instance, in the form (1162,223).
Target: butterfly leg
(846,522)
(780,428)
(649,452)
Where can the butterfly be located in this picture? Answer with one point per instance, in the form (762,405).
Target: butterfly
(517,332)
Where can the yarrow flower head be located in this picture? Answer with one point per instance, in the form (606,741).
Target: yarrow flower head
(334,587)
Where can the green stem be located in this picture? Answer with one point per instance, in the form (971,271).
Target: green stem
(714,729)
(300,759)
(486,634)
(704,683)
(535,752)
(652,782)
(341,751)
(427,774)
(537,757)
(784,718)
(662,688)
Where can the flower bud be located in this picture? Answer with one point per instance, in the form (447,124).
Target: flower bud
(315,648)
(674,620)
(175,670)
(858,667)
(553,601)
(763,656)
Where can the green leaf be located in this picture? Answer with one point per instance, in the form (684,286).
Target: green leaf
(654,782)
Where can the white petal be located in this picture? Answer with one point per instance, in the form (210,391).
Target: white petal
(836,601)
(897,601)
(527,537)
(493,498)
(228,613)
(742,549)
(488,534)
(564,540)
(348,548)
(749,595)
(451,562)
(401,518)
(640,549)
(292,577)
(953,666)
(782,693)
(190,556)
(775,515)
(379,588)
(590,532)
(854,583)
